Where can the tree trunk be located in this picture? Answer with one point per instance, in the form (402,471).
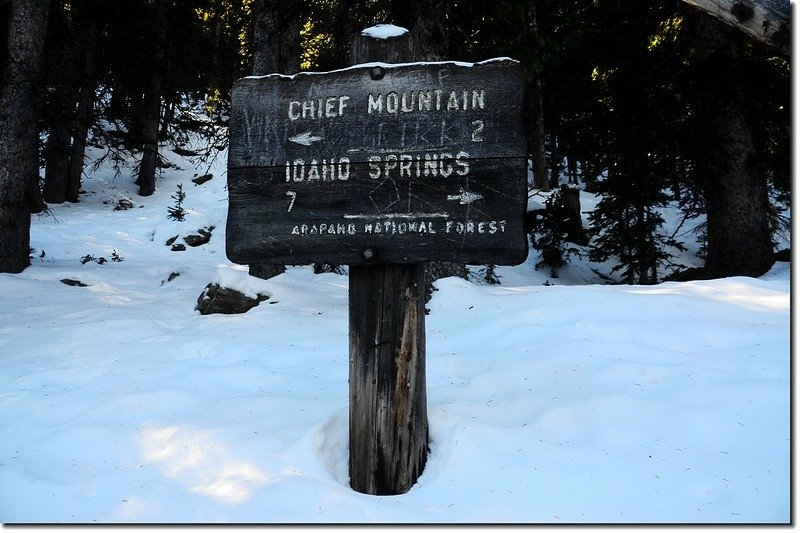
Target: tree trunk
(555,163)
(765,20)
(573,223)
(152,110)
(215,80)
(276,48)
(61,120)
(83,113)
(170,99)
(427,41)
(56,163)
(441,269)
(146,179)
(572,169)
(739,237)
(19,161)
(429,30)
(265,53)
(535,111)
(541,179)
(276,39)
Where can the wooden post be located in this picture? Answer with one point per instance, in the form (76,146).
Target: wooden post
(388,412)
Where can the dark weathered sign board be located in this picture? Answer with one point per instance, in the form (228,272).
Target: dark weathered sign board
(379,164)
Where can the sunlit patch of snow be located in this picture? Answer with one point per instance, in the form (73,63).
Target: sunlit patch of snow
(201,462)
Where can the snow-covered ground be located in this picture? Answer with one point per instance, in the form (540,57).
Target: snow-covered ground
(561,403)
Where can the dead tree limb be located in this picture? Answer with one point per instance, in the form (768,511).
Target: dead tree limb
(765,20)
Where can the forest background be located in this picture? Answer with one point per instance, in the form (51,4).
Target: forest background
(645,103)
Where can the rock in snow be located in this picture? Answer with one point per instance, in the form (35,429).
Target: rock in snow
(216,299)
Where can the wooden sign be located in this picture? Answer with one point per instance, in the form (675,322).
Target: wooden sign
(379,163)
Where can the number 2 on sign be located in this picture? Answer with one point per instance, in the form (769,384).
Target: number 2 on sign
(292,197)
(476,133)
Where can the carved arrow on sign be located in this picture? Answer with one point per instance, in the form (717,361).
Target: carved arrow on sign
(465,197)
(305,138)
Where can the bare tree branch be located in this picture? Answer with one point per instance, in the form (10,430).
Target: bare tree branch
(765,20)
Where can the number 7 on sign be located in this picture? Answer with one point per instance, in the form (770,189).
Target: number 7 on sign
(293,196)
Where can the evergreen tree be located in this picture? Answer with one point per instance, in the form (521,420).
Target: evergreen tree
(176,211)
(630,114)
(551,233)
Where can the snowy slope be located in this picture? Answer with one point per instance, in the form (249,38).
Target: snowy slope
(548,404)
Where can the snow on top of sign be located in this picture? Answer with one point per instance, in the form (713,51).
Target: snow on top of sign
(387,65)
(384,31)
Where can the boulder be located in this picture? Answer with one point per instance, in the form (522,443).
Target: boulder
(123,204)
(200,238)
(216,299)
